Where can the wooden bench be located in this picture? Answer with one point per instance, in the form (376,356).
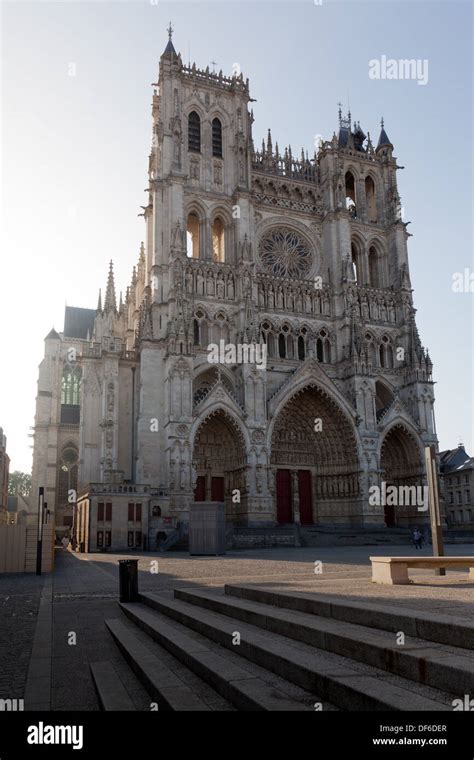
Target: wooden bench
(394,570)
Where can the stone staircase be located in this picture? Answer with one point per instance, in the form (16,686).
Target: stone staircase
(249,648)
(314,535)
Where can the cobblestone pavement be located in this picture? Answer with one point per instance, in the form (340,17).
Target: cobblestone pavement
(19,600)
(345,571)
(85,593)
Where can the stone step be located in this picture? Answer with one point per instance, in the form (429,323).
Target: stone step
(233,682)
(111,692)
(162,684)
(348,685)
(435,627)
(435,665)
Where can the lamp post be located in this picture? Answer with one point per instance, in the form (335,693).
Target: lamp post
(39,541)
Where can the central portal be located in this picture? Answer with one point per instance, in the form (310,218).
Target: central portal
(315,461)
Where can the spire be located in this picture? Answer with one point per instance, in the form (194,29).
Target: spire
(344,127)
(99,302)
(52,335)
(110,300)
(269,143)
(141,263)
(383,139)
(169,49)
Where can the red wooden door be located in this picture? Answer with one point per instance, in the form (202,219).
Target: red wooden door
(283,487)
(389,514)
(306,501)
(200,490)
(217,489)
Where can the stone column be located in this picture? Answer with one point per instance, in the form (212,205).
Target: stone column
(295,496)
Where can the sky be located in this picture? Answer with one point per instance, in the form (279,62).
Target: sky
(75,136)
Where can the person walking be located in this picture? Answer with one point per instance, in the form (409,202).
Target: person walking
(417,538)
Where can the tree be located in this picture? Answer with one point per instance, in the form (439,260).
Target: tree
(19,483)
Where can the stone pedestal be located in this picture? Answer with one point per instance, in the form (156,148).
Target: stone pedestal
(207,528)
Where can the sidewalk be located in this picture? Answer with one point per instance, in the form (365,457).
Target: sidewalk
(19,603)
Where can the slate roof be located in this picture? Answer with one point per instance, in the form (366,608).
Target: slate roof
(383,139)
(169,49)
(453,459)
(78,322)
(52,335)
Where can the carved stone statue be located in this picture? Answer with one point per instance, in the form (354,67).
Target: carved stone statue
(210,284)
(279,298)
(271,298)
(200,283)
(110,397)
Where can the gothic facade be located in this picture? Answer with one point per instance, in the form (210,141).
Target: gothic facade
(306,256)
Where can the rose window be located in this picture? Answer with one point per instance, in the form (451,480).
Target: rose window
(284,254)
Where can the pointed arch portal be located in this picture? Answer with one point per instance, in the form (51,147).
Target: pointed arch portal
(402,465)
(220,462)
(315,460)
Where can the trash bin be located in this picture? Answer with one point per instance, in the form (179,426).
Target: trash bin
(128,574)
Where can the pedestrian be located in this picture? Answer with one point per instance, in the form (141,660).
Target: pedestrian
(417,538)
(65,542)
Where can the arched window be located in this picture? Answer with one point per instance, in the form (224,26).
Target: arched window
(301,348)
(319,350)
(372,355)
(350,194)
(271,344)
(375,278)
(194,132)
(218,240)
(386,353)
(370,201)
(282,346)
(192,236)
(216,138)
(382,356)
(327,351)
(70,386)
(356,269)
(196,332)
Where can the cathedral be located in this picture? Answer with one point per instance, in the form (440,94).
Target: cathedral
(248,246)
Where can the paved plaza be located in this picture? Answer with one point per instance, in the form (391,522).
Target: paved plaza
(72,605)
